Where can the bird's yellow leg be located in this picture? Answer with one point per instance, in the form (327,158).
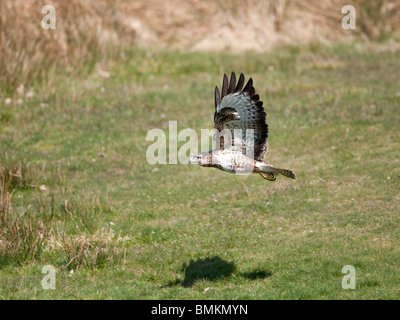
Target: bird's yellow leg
(268,176)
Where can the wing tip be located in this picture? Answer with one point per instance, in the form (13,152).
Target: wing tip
(228,87)
(232,83)
(224,89)
(249,86)
(217,97)
(240,83)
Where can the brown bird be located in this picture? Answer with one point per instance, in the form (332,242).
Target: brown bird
(242,132)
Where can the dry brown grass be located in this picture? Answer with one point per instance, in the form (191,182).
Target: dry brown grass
(19,240)
(73,231)
(252,24)
(94,250)
(85,32)
(88,31)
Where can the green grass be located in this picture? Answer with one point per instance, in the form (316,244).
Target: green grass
(129,231)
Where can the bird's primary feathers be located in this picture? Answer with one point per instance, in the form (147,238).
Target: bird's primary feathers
(242,132)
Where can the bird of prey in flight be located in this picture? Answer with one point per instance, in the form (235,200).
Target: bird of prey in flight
(242,132)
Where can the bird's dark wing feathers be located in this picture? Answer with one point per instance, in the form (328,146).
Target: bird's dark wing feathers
(238,108)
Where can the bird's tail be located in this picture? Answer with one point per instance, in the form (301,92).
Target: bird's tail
(269,172)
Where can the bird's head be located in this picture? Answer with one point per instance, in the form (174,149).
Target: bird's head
(202,159)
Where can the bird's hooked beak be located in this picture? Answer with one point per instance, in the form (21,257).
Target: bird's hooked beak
(194,160)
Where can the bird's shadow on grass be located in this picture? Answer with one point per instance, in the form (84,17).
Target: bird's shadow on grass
(213,269)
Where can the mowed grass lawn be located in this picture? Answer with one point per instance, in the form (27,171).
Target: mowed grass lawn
(115,227)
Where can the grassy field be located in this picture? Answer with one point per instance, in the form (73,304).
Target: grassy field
(77,192)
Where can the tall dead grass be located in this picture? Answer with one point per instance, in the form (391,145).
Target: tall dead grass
(89,31)
(70,231)
(85,32)
(257,25)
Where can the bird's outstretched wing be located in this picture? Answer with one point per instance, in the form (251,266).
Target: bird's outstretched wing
(240,108)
